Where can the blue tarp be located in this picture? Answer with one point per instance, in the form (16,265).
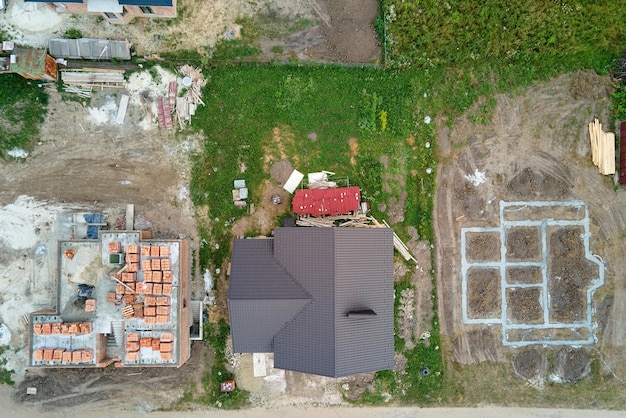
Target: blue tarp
(93,218)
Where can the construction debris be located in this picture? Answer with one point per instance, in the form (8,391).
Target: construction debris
(186,104)
(80,91)
(602,148)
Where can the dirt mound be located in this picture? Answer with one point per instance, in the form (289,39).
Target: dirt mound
(571,365)
(589,85)
(530,364)
(281,170)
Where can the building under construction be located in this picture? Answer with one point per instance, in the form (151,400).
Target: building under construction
(121,300)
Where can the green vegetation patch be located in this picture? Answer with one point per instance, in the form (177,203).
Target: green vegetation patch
(429,33)
(22,110)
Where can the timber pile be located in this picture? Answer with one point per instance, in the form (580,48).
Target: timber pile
(186,104)
(401,246)
(94,77)
(602,148)
(356,221)
(80,91)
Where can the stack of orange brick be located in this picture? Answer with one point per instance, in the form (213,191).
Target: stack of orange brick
(167,346)
(132,346)
(60,355)
(115,247)
(64,328)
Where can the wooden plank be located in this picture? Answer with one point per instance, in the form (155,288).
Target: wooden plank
(160,112)
(121,111)
(102,70)
(130,217)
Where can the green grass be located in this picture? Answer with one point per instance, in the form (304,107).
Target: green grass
(461,33)
(248,104)
(22,110)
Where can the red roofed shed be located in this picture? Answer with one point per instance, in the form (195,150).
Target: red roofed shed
(320,202)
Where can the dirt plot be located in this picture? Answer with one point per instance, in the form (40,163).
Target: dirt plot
(569,275)
(483,246)
(483,293)
(523,244)
(535,147)
(531,364)
(523,305)
(524,275)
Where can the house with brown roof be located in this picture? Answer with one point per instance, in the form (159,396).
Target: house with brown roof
(115,11)
(320,299)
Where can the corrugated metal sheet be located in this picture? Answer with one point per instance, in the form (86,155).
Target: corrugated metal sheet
(334,201)
(87,48)
(342,269)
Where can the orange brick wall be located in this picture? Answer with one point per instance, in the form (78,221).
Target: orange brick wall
(184,348)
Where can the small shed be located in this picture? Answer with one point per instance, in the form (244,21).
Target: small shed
(34,64)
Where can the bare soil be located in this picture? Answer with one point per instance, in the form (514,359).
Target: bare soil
(523,244)
(524,275)
(531,364)
(568,275)
(572,364)
(483,246)
(535,147)
(523,305)
(483,293)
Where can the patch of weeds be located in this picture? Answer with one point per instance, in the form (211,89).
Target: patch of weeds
(154,73)
(5,374)
(216,336)
(22,110)
(369,106)
(277,49)
(232,49)
(293,90)
(73,33)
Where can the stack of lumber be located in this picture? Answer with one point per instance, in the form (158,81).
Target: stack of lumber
(186,104)
(400,246)
(94,77)
(602,148)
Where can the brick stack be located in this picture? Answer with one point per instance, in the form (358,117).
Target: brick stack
(63,328)
(62,356)
(157,285)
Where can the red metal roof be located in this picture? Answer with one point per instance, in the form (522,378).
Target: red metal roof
(319,202)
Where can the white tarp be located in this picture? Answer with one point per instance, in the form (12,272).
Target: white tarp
(294,181)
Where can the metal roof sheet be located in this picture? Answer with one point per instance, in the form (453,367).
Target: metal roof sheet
(88,48)
(319,202)
(342,270)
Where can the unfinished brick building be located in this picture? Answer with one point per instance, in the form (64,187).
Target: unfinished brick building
(115,11)
(121,300)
